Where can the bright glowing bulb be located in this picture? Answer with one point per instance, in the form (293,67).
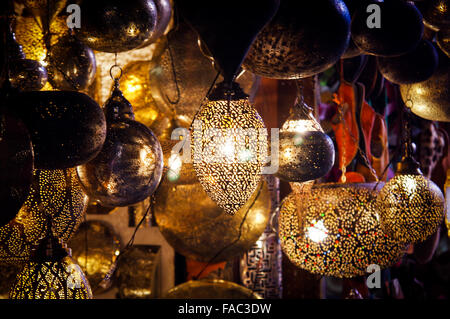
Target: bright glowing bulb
(410,185)
(300,126)
(228,149)
(317,231)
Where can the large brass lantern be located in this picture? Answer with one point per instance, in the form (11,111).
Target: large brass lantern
(228,147)
(412,206)
(334,230)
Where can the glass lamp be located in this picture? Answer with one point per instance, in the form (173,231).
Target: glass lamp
(306,152)
(228,147)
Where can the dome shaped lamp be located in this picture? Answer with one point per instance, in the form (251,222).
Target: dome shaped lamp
(228,147)
(412,206)
(51,273)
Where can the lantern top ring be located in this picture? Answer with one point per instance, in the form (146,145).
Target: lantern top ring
(118,73)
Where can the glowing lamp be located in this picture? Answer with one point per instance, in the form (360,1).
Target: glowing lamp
(412,206)
(51,273)
(228,147)
(306,152)
(334,230)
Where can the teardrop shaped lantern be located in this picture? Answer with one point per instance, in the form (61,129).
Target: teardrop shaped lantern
(54,193)
(67,128)
(411,206)
(51,273)
(306,152)
(71,64)
(129,167)
(228,147)
(296,43)
(334,230)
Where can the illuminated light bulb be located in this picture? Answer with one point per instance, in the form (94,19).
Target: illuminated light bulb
(317,231)
(306,152)
(228,147)
(51,273)
(334,230)
(411,206)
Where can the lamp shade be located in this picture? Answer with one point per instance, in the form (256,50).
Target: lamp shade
(228,147)
(334,230)
(306,152)
(51,274)
(412,208)
(53,192)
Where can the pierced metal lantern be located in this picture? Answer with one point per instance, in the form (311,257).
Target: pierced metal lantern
(430,99)
(129,167)
(210,289)
(411,206)
(67,128)
(116,25)
(53,192)
(228,147)
(296,43)
(51,273)
(306,152)
(95,248)
(334,230)
(16,161)
(71,64)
